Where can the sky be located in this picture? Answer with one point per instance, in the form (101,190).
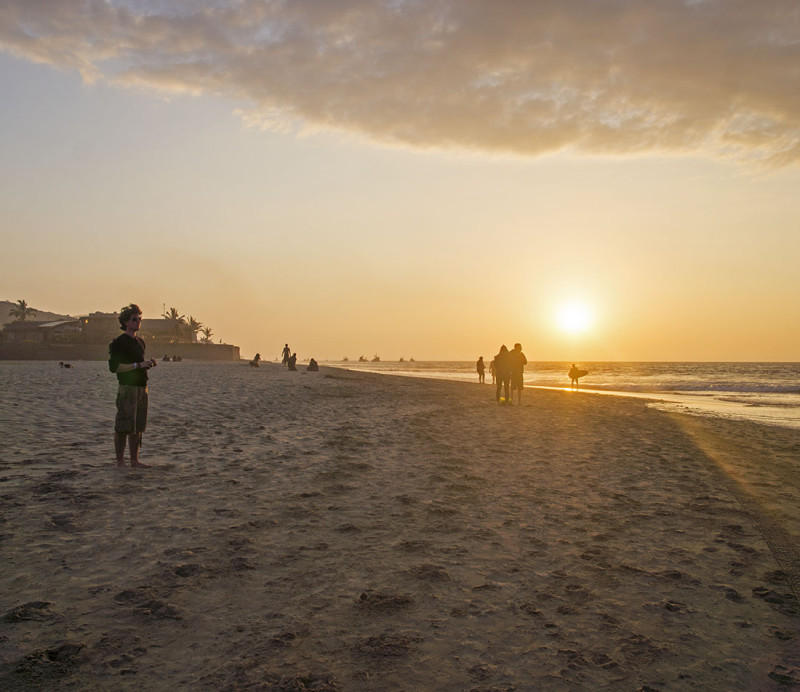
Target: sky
(411,178)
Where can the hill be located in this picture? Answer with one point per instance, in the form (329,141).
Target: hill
(41,315)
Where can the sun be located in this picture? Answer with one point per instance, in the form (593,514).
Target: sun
(574,317)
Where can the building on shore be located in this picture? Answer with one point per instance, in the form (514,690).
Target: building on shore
(40,332)
(87,338)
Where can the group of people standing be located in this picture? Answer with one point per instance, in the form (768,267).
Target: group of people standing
(506,369)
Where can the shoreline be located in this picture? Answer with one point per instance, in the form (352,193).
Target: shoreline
(390,533)
(703,403)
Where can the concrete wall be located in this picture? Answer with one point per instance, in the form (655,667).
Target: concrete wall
(68,352)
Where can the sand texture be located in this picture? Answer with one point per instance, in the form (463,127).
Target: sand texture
(349,531)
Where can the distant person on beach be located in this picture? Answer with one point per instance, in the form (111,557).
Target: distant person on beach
(575,373)
(502,371)
(126,360)
(481,368)
(313,366)
(517,362)
(286,354)
(491,370)
(254,362)
(292,362)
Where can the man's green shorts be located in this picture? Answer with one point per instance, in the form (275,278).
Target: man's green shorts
(131,409)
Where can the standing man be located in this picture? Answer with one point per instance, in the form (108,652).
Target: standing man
(481,368)
(126,360)
(286,354)
(502,371)
(517,362)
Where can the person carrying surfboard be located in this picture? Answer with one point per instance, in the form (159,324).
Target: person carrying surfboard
(575,373)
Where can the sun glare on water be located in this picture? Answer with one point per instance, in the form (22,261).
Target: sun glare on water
(574,318)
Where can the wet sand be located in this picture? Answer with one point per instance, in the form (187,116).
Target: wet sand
(350,531)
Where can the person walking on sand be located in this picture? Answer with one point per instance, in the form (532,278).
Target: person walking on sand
(126,361)
(502,370)
(287,353)
(491,369)
(481,367)
(517,362)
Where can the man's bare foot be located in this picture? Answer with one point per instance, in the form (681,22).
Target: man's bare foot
(140,465)
(120,464)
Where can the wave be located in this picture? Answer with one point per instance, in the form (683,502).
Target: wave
(698,388)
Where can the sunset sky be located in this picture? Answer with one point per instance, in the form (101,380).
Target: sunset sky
(422,178)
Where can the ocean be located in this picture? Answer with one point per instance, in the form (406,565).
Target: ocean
(767,393)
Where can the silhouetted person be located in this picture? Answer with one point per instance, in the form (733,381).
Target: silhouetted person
(313,366)
(575,373)
(502,371)
(254,362)
(286,354)
(517,362)
(126,360)
(481,368)
(491,370)
(292,362)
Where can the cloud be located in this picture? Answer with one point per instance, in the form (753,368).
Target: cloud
(707,77)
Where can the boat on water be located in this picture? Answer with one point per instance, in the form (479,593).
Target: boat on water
(376,358)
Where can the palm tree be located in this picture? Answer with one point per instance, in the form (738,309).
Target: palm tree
(193,326)
(206,332)
(21,311)
(173,314)
(180,322)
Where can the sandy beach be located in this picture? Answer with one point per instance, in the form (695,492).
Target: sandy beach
(352,531)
